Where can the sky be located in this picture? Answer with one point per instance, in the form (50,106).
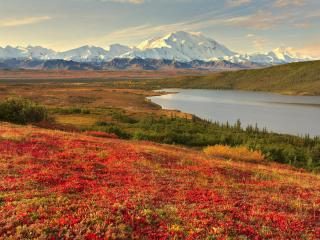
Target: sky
(244,26)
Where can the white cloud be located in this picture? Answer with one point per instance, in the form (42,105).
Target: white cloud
(311,49)
(23,21)
(237,3)
(125,1)
(302,25)
(285,3)
(260,43)
(259,20)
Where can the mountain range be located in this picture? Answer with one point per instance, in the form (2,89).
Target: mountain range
(182,49)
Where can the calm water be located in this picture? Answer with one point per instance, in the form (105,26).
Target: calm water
(298,115)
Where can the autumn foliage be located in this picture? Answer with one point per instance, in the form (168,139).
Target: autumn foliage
(57,185)
(236,153)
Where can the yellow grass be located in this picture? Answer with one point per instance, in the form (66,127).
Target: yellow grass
(237,153)
(84,121)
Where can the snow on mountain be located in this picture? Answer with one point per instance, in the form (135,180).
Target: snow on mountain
(181,46)
(284,54)
(93,54)
(31,52)
(277,56)
(10,52)
(116,50)
(38,52)
(84,54)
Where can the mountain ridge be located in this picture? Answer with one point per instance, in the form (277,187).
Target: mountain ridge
(123,64)
(178,46)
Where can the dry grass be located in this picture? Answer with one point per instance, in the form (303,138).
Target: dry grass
(67,74)
(89,95)
(81,121)
(95,96)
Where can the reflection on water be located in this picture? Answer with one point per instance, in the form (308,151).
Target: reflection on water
(279,113)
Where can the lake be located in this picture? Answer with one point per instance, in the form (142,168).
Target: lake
(298,115)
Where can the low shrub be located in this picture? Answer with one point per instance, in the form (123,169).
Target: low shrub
(123,118)
(73,110)
(22,111)
(101,134)
(110,130)
(103,124)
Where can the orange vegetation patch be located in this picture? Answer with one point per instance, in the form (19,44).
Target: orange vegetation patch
(237,153)
(57,185)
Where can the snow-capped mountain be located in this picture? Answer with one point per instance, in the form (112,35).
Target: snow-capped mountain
(81,54)
(285,55)
(178,46)
(29,52)
(84,54)
(181,46)
(94,54)
(117,50)
(277,56)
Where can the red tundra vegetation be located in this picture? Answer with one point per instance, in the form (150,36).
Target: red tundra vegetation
(57,185)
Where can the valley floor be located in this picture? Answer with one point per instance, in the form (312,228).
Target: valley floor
(57,185)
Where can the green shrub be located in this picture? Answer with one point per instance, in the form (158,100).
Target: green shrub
(22,111)
(110,128)
(103,124)
(116,130)
(73,110)
(118,116)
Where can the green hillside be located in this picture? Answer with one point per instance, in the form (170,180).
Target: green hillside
(294,78)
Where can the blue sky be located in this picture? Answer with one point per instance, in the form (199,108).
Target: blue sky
(242,25)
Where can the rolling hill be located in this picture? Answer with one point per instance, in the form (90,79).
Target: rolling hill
(57,185)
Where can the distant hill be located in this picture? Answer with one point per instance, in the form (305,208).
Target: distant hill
(124,64)
(301,78)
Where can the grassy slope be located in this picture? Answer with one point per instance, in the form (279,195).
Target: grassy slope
(61,185)
(295,78)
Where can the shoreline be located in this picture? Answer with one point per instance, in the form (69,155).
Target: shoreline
(163,92)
